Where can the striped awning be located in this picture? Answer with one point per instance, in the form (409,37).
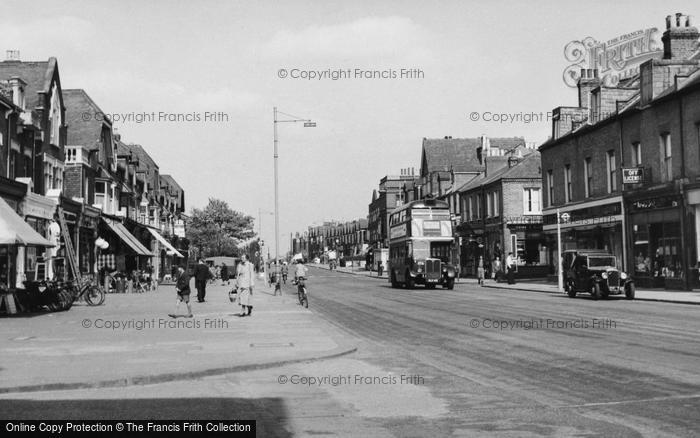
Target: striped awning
(128,238)
(161,239)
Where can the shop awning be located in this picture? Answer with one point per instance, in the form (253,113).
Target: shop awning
(161,239)
(128,238)
(15,231)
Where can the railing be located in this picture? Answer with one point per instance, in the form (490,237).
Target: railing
(76,155)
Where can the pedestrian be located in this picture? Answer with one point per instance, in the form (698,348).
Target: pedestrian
(224,274)
(245,280)
(480,271)
(510,265)
(497,270)
(182,287)
(201,275)
(380,269)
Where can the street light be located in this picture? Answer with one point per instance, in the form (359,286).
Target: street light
(291,119)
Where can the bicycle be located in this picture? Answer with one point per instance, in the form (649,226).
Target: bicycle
(302,294)
(89,291)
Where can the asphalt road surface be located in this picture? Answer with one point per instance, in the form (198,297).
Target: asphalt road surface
(514,363)
(468,362)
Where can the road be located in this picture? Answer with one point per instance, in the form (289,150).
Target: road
(467,362)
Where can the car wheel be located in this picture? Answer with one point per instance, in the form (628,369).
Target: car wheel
(570,290)
(450,283)
(595,291)
(629,291)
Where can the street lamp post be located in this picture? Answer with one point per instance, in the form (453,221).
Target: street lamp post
(292,119)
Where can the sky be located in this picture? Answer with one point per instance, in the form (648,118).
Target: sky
(220,67)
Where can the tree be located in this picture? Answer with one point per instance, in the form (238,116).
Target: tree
(217,230)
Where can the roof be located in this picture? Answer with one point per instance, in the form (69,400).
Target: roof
(83,131)
(460,154)
(170,181)
(445,154)
(139,153)
(37,76)
(528,168)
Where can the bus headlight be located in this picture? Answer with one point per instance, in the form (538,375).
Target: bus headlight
(605,275)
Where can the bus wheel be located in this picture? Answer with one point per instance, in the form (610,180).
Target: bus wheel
(410,281)
(394,283)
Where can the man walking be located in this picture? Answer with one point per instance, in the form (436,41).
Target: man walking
(245,280)
(182,287)
(224,274)
(201,275)
(510,265)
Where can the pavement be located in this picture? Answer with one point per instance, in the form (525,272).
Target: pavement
(680,297)
(130,340)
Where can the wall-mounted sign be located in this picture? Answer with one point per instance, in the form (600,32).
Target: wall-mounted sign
(633,175)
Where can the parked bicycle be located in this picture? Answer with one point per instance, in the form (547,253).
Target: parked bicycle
(89,291)
(302,293)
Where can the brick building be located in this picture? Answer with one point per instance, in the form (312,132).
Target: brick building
(500,212)
(390,194)
(625,165)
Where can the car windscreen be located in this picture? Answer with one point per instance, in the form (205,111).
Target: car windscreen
(601,262)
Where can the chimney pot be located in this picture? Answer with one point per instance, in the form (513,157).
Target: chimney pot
(12,55)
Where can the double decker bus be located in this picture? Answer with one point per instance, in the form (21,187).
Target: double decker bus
(420,244)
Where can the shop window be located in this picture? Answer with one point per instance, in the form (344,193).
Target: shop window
(588,176)
(666,161)
(612,171)
(657,249)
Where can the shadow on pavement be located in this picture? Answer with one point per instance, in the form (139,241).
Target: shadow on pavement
(271,414)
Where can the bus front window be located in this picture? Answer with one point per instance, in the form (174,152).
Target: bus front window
(441,250)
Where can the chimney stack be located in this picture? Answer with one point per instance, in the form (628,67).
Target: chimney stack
(12,55)
(588,81)
(680,38)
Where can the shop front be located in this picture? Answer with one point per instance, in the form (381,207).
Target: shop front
(595,226)
(124,252)
(528,244)
(15,236)
(658,242)
(87,235)
(38,212)
(693,198)
(471,244)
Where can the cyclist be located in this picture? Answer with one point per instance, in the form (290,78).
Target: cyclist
(301,270)
(285,271)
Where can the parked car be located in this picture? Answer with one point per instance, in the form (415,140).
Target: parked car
(595,272)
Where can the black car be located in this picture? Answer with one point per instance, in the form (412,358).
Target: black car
(595,272)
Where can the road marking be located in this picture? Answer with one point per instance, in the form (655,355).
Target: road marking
(624,402)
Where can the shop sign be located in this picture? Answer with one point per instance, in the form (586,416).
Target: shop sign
(633,175)
(654,203)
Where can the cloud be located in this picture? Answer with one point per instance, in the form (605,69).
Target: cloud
(385,38)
